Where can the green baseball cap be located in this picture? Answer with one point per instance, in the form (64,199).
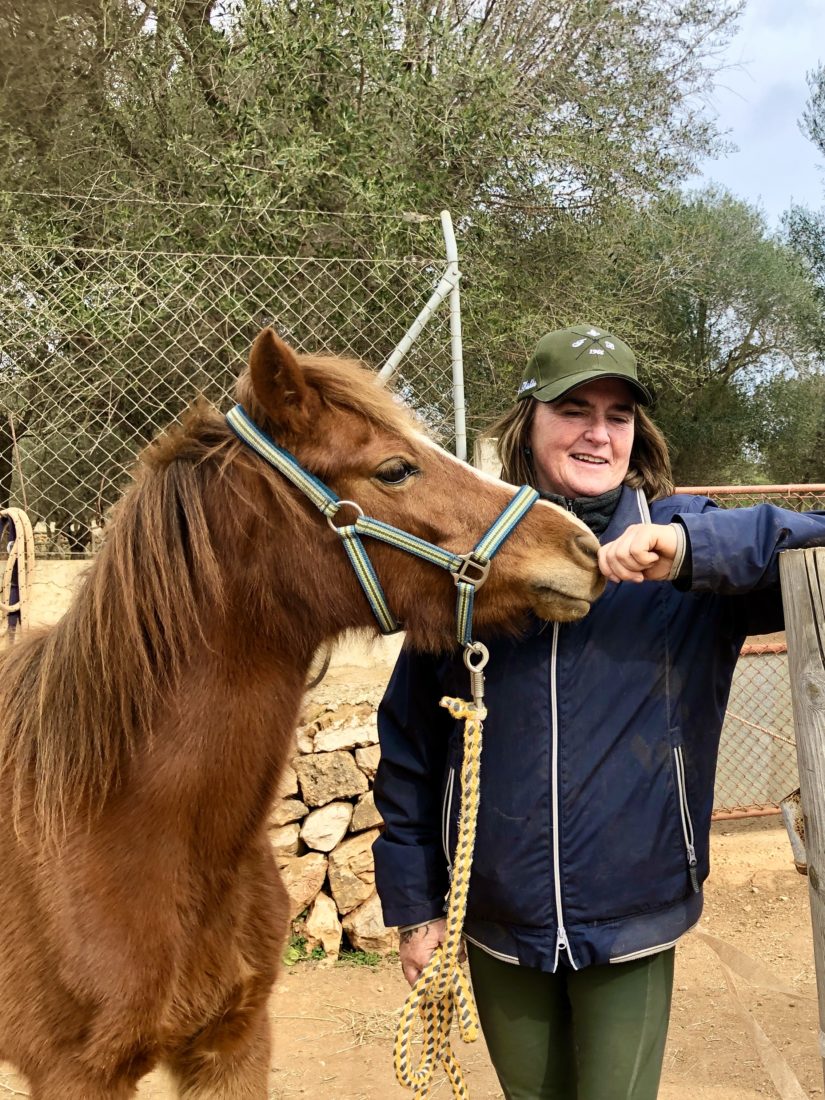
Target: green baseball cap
(570,357)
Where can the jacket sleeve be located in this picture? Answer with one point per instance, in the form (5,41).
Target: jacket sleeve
(735,551)
(410,865)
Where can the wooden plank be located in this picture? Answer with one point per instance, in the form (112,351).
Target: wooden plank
(803,595)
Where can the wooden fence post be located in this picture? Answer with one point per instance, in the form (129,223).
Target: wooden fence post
(802,574)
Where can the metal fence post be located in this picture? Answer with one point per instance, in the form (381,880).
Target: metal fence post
(803,577)
(456,342)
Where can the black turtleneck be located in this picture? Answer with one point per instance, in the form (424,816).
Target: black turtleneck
(596,512)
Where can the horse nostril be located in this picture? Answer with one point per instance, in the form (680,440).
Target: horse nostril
(588,546)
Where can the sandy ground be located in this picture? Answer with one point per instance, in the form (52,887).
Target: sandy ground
(333,1025)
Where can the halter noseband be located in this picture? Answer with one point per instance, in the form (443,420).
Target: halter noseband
(469,570)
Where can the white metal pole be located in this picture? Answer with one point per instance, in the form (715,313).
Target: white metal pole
(436,298)
(456,346)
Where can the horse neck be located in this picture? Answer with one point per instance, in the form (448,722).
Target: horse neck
(184,645)
(218,748)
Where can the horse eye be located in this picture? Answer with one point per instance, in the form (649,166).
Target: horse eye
(395,472)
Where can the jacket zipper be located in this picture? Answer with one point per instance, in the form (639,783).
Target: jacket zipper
(687,824)
(562,943)
(445,819)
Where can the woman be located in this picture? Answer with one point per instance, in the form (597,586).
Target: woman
(599,746)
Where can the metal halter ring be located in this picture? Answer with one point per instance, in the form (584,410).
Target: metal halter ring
(337,526)
(479,650)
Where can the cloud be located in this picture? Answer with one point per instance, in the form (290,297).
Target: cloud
(759,101)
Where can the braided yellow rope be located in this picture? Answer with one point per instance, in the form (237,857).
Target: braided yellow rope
(442,987)
(22,556)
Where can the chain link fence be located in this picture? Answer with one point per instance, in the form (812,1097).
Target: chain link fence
(102,347)
(757,753)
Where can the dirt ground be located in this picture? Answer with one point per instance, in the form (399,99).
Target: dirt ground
(333,1025)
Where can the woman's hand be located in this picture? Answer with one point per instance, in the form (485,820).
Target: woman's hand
(645,552)
(417,946)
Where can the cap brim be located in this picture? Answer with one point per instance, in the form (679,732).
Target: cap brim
(558,388)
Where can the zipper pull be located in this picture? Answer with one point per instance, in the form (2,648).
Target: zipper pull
(561,939)
(692,862)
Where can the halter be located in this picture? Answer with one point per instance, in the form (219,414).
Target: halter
(469,570)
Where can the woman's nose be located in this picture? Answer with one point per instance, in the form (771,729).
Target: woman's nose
(597,431)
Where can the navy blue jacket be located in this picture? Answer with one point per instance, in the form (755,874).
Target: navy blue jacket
(599,752)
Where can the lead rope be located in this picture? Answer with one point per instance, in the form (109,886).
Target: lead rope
(442,987)
(19,568)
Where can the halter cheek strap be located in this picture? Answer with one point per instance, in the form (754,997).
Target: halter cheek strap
(469,570)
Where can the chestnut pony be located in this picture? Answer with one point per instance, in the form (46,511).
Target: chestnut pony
(142,736)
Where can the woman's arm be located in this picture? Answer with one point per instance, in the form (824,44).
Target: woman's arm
(410,864)
(732,550)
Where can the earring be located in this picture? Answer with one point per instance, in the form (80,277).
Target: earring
(527,451)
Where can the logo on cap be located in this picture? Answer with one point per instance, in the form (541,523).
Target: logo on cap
(595,338)
(527,384)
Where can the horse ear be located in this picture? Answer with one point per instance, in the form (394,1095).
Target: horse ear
(278,382)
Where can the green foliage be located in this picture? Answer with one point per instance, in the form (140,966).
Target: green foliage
(296,951)
(733,309)
(792,410)
(369,105)
(556,131)
(712,303)
(359,958)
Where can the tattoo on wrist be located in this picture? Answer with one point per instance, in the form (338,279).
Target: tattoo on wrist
(408,933)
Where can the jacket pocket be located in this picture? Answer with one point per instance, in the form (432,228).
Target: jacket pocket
(684,811)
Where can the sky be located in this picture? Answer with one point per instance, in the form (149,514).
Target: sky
(759,100)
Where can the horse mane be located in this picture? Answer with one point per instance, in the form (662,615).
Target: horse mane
(77,699)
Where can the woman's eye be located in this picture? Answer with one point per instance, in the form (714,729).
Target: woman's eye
(393,473)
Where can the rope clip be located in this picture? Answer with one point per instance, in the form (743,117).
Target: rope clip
(476,656)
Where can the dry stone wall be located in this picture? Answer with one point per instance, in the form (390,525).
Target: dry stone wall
(323,822)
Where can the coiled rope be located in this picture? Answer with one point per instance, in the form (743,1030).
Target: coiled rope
(442,987)
(19,569)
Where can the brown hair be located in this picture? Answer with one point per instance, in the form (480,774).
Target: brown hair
(649,468)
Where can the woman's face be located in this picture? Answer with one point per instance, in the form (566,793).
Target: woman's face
(581,443)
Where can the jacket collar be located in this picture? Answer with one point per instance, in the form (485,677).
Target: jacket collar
(632,508)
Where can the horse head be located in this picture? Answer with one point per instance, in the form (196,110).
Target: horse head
(347,430)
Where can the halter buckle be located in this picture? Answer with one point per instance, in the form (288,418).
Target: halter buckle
(472,570)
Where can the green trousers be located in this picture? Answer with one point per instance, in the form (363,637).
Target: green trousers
(591,1034)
